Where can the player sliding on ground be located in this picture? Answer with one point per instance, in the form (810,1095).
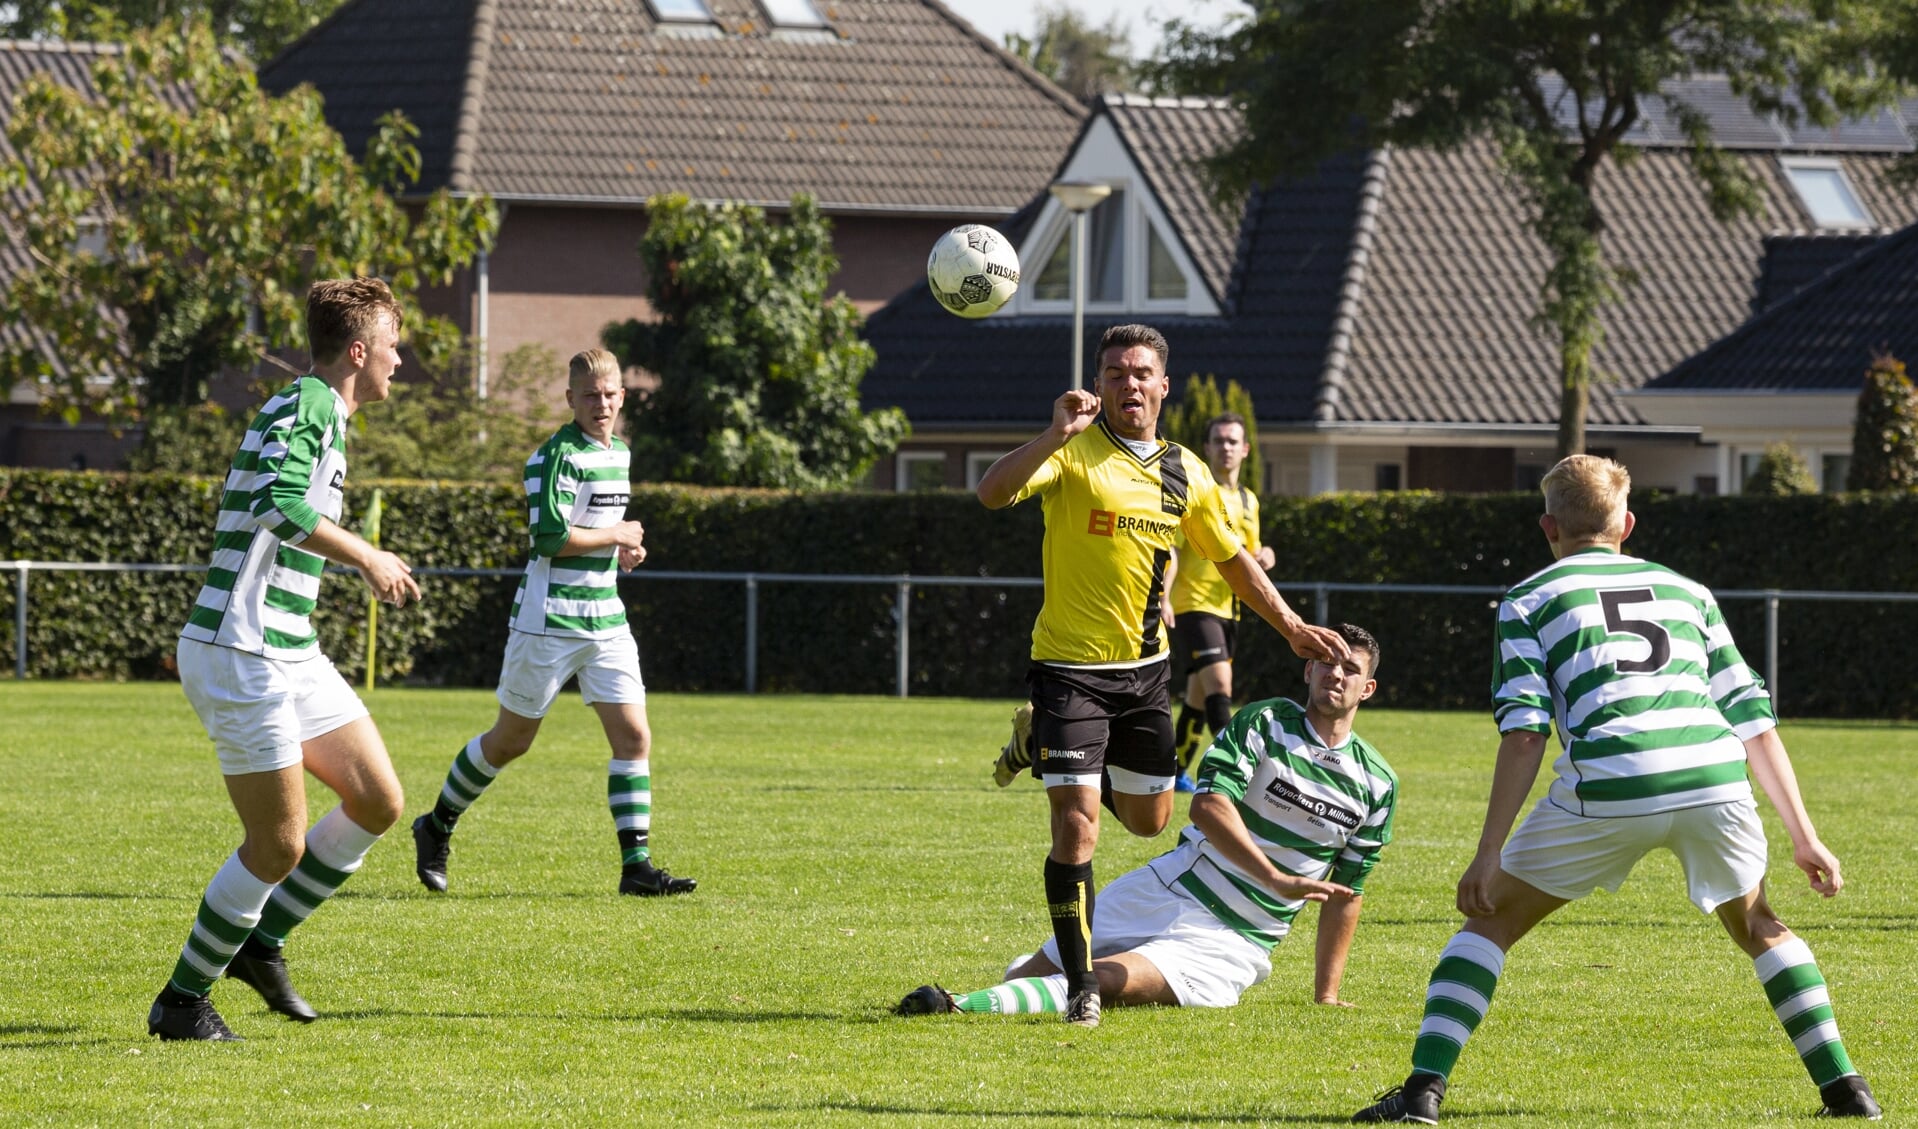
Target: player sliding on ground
(1099,721)
(568,619)
(1292,806)
(1659,718)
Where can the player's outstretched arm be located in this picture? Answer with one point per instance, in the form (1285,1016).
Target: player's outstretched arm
(1071,413)
(1215,815)
(390,578)
(1255,590)
(625,535)
(1338,923)
(1771,766)
(1520,752)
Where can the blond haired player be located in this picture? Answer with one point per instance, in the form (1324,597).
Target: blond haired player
(1659,720)
(568,620)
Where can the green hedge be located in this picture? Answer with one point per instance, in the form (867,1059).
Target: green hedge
(1837,659)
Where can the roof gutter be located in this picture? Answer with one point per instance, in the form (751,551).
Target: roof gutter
(903,211)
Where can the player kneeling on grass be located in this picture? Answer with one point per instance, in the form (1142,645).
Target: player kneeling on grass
(568,619)
(1292,806)
(1660,718)
(250,663)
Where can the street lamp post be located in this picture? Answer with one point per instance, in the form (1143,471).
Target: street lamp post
(1078,197)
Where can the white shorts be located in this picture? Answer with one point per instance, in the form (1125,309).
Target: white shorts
(1721,847)
(259,710)
(1206,962)
(537,667)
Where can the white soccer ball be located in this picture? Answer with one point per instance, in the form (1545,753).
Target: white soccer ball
(973,270)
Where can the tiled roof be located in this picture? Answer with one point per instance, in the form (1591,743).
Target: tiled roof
(1403,288)
(900,107)
(1166,137)
(1824,336)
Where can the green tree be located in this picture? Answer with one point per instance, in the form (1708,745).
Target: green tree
(176,215)
(1201,402)
(758,369)
(1555,86)
(1781,472)
(1086,61)
(1884,438)
(258,27)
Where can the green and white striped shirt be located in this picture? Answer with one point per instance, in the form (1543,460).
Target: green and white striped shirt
(1633,661)
(290,472)
(572,481)
(1315,811)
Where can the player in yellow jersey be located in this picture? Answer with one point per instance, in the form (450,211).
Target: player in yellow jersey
(1115,498)
(1205,619)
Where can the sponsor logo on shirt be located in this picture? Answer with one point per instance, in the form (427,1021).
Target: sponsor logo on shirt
(1101,523)
(1108,523)
(1282,791)
(602,500)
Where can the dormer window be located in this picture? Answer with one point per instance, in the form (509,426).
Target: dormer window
(1134,262)
(1105,256)
(796,14)
(681,11)
(1826,193)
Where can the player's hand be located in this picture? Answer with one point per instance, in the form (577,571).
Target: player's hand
(1321,643)
(1820,866)
(1475,886)
(1311,889)
(630,559)
(629,535)
(1074,412)
(1268,560)
(390,578)
(1166,617)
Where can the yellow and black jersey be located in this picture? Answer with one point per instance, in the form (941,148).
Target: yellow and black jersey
(1196,583)
(1111,521)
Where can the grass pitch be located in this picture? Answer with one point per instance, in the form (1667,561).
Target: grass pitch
(849,849)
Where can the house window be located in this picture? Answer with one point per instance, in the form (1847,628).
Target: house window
(1105,256)
(1387,476)
(1826,194)
(977,464)
(1163,278)
(1834,469)
(919,470)
(1747,466)
(792,13)
(681,11)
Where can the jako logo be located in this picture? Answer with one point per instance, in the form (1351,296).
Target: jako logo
(1101,523)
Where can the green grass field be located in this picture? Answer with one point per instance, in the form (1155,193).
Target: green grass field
(847,850)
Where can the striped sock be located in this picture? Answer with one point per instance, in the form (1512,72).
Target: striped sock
(1019,997)
(469,776)
(335,847)
(1455,1001)
(1799,998)
(629,793)
(228,912)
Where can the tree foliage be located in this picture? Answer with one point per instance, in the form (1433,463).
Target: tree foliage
(1086,61)
(176,215)
(758,369)
(1884,439)
(257,27)
(1781,472)
(1554,87)
(1200,403)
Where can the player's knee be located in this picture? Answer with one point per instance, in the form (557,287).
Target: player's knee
(270,858)
(378,808)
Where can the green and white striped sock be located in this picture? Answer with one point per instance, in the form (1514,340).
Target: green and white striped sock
(465,780)
(629,793)
(228,912)
(1029,996)
(335,847)
(1456,1000)
(1802,1003)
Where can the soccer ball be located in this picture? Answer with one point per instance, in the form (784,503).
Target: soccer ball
(973,270)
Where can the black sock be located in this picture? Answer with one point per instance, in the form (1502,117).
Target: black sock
(1186,739)
(1218,712)
(444,817)
(1069,901)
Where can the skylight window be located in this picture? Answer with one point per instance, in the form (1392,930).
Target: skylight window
(793,13)
(681,11)
(1826,194)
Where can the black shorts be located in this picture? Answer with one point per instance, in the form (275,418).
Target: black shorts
(1203,639)
(1086,722)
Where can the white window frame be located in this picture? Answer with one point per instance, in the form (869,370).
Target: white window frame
(681,18)
(785,21)
(902,462)
(1142,213)
(977,463)
(1832,165)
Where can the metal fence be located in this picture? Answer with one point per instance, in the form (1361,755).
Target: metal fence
(903,584)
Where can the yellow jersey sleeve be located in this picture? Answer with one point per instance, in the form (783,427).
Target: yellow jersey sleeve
(1045,478)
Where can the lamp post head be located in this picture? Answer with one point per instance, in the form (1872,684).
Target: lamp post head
(1078,195)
